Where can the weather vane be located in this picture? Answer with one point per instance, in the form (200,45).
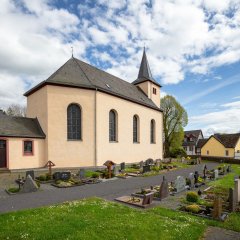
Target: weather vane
(72,51)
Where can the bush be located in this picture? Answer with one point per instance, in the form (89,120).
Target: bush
(154,168)
(48,177)
(95,175)
(13,190)
(42,178)
(192,197)
(194,208)
(178,152)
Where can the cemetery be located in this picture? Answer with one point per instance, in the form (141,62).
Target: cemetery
(202,198)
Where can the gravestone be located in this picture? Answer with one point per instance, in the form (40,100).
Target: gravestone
(158,163)
(232,200)
(29,185)
(141,164)
(147,199)
(115,171)
(149,161)
(217,208)
(82,173)
(196,175)
(164,191)
(237,189)
(31,173)
(191,178)
(215,174)
(183,159)
(224,169)
(146,168)
(122,166)
(180,184)
(229,168)
(65,176)
(205,172)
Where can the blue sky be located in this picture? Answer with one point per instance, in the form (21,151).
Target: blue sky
(193,48)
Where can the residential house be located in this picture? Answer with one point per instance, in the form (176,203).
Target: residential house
(190,142)
(222,146)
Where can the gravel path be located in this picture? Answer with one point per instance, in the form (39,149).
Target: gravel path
(49,195)
(215,233)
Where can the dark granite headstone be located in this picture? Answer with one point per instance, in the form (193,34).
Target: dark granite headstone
(147,199)
(149,161)
(164,191)
(122,166)
(196,175)
(82,173)
(205,172)
(217,208)
(146,168)
(62,176)
(31,173)
(29,185)
(232,200)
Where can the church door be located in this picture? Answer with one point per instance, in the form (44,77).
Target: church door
(3,153)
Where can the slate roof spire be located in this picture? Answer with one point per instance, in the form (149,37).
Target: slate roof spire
(144,73)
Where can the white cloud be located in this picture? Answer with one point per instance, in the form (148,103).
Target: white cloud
(36,37)
(225,120)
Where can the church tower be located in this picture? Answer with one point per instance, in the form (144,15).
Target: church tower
(146,82)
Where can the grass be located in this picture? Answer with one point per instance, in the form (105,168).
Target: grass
(226,182)
(99,219)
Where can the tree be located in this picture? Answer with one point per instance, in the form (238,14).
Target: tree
(174,119)
(16,110)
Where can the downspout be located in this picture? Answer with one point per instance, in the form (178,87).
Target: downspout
(95,127)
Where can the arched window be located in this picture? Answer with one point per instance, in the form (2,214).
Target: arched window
(153,137)
(112,126)
(135,129)
(74,122)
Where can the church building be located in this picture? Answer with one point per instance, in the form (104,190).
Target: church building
(82,116)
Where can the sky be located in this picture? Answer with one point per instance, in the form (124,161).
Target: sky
(193,49)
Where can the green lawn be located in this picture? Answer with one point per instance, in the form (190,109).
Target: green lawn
(99,219)
(228,180)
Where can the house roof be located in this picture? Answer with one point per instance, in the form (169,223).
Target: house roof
(201,142)
(76,73)
(144,73)
(228,140)
(20,127)
(193,132)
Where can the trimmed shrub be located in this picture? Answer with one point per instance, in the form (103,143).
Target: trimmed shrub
(95,175)
(192,197)
(48,177)
(42,178)
(13,190)
(193,208)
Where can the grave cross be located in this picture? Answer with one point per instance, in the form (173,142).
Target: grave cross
(50,164)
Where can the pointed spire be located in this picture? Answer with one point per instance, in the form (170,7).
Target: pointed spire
(144,73)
